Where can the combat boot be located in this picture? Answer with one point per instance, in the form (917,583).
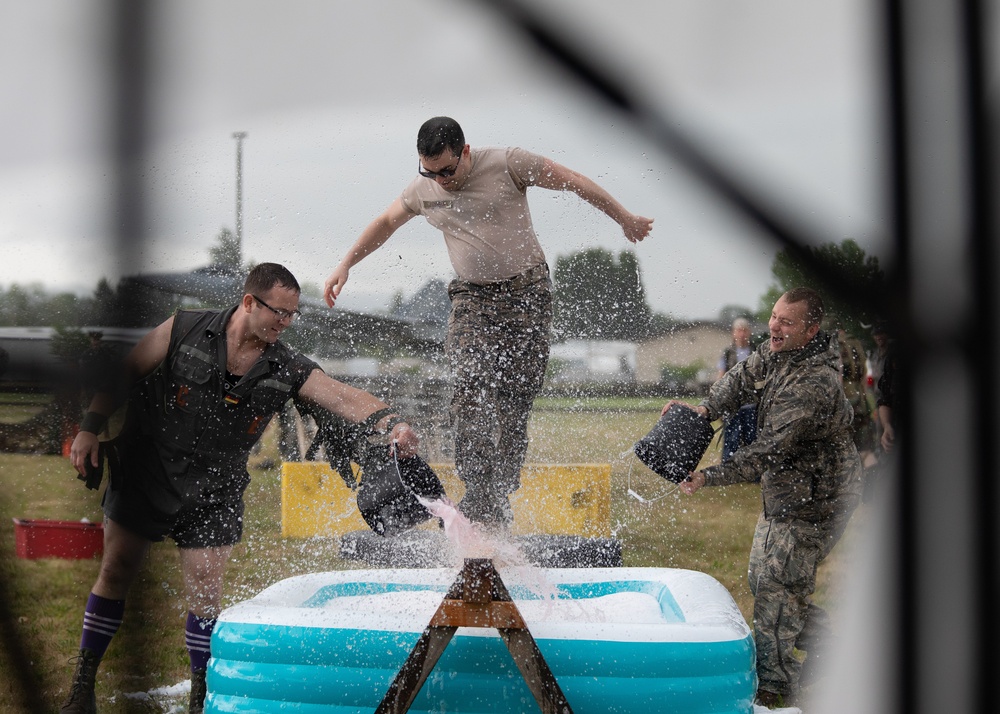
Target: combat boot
(81,698)
(199,688)
(814,639)
(768,699)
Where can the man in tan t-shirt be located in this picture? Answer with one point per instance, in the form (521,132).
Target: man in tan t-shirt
(501,301)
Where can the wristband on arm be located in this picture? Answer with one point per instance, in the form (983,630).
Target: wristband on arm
(373,419)
(392,422)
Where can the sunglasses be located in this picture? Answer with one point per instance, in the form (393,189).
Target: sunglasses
(443,173)
(278,312)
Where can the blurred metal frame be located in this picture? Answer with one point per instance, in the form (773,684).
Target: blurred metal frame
(943,303)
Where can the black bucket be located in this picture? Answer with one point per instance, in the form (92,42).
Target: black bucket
(388,503)
(676,443)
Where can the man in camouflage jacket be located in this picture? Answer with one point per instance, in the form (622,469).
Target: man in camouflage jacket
(809,470)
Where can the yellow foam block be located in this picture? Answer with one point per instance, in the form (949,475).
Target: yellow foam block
(555,499)
(315,501)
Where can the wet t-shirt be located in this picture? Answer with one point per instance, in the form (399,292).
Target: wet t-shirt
(486,223)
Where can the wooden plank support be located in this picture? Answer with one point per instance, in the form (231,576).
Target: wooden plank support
(477,598)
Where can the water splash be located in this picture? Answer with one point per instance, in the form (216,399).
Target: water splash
(472,540)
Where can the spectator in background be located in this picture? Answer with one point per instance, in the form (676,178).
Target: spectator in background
(854,373)
(740,428)
(887,399)
(883,340)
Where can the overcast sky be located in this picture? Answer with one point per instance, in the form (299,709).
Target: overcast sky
(331,94)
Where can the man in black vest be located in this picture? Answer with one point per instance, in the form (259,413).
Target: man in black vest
(201,387)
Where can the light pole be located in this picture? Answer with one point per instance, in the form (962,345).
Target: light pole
(239,136)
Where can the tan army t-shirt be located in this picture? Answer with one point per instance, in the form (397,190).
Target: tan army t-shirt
(486,223)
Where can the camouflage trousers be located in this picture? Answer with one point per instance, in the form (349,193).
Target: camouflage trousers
(783,563)
(498,349)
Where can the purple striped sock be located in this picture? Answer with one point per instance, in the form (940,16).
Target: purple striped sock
(198,637)
(101,620)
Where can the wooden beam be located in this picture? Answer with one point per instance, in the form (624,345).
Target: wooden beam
(477,598)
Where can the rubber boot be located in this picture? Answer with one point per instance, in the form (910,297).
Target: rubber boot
(81,698)
(199,688)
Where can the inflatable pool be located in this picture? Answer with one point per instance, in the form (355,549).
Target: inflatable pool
(617,640)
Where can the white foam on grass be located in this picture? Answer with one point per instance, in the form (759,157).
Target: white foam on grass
(180,691)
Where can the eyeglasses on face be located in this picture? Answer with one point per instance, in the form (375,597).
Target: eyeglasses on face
(278,312)
(443,173)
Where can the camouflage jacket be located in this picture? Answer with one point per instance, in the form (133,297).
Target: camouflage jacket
(803,456)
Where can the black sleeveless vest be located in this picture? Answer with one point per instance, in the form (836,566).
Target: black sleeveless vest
(189,411)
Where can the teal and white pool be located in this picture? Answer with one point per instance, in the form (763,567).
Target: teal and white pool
(628,640)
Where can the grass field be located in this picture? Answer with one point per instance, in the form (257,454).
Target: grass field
(43,599)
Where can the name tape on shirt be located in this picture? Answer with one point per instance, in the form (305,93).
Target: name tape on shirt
(438,204)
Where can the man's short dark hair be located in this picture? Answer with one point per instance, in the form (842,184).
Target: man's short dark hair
(265,276)
(438,134)
(813,300)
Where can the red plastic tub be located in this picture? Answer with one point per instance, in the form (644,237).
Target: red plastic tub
(74,540)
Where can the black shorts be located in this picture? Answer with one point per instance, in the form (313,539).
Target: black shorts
(206,523)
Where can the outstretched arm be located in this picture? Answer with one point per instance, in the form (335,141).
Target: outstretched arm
(357,405)
(370,240)
(559,178)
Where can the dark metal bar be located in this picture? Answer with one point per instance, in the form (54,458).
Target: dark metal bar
(898,186)
(17,655)
(943,212)
(129,121)
(982,150)
(130,124)
(128,70)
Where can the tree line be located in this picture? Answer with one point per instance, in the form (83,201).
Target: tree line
(126,305)
(858,302)
(598,295)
